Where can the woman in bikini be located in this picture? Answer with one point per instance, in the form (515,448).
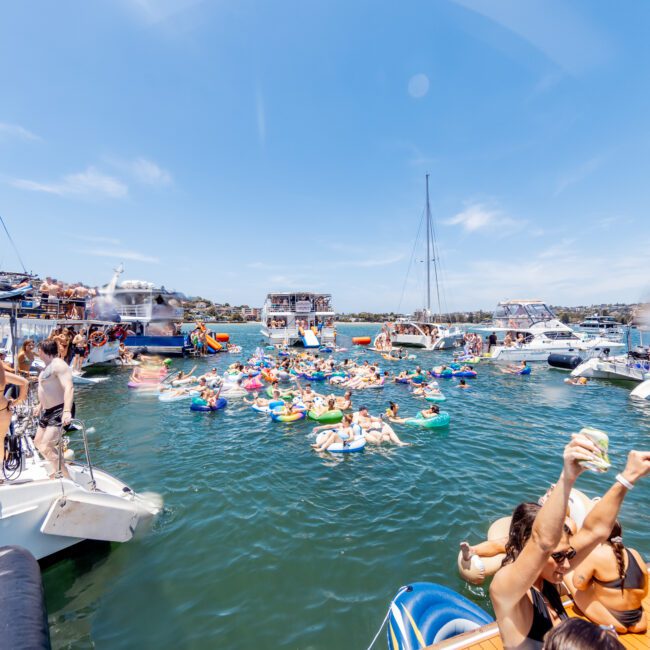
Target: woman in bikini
(540,550)
(611,585)
(6,404)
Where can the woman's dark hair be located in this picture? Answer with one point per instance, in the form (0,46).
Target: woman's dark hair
(392,405)
(49,347)
(578,634)
(521,528)
(616,540)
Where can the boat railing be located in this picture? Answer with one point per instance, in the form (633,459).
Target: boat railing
(81,426)
(142,311)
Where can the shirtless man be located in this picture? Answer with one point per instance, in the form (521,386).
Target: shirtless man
(55,394)
(79,343)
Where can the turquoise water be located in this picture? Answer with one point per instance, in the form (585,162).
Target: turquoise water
(265,544)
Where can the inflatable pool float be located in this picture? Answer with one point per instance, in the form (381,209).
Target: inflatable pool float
(173,396)
(326,350)
(343,447)
(144,385)
(440,420)
(434,397)
(464,373)
(469,361)
(329,417)
(361,340)
(424,613)
(221,337)
(292,417)
(446,374)
(269,393)
(268,408)
(199,404)
(478,568)
(316,376)
(402,380)
(252,384)
(526,371)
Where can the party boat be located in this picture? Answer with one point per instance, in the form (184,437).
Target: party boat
(298,318)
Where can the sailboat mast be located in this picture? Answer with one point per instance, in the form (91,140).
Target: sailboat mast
(428,250)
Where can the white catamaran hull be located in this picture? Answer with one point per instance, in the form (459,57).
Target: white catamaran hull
(424,342)
(47,515)
(541,349)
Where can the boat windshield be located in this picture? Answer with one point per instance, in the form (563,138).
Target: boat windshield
(521,314)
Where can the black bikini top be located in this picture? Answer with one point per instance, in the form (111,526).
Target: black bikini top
(633,578)
(542,621)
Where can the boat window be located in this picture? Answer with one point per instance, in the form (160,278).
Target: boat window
(540,312)
(560,335)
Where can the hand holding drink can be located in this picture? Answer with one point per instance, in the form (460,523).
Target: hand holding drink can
(601,440)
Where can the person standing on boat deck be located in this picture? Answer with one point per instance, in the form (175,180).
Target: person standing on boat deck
(79,347)
(56,403)
(540,549)
(492,341)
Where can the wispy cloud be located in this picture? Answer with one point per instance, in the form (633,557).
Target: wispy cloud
(155,11)
(577,174)
(477,216)
(551,27)
(561,251)
(89,183)
(16,131)
(135,256)
(142,170)
(370,263)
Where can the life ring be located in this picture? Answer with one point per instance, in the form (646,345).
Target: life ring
(199,404)
(361,340)
(291,417)
(97,339)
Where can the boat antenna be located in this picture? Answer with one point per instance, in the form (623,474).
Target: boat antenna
(4,225)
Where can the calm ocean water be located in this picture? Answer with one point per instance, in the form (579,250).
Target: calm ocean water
(265,544)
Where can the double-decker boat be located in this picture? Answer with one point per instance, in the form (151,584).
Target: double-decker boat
(298,318)
(528,330)
(152,315)
(604,326)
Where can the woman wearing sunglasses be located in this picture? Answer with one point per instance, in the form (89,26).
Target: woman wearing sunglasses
(540,549)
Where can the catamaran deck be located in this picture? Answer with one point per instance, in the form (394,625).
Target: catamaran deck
(487,637)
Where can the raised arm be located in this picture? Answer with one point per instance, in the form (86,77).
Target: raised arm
(599,522)
(511,582)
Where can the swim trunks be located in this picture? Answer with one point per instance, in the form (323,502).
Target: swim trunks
(52,417)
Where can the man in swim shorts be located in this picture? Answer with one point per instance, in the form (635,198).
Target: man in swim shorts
(56,395)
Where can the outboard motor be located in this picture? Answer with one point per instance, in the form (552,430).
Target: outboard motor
(564,361)
(23,617)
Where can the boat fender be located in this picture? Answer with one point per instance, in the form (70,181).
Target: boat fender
(23,617)
(565,361)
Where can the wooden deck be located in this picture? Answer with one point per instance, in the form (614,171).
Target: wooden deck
(487,637)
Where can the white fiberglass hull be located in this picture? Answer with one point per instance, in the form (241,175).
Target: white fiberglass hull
(612,368)
(423,342)
(540,350)
(291,336)
(47,515)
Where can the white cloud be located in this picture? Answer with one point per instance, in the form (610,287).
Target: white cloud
(17,131)
(124,255)
(142,170)
(577,174)
(89,183)
(477,216)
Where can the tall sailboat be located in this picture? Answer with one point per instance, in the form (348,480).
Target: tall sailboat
(423,329)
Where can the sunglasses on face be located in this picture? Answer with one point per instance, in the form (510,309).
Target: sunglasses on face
(560,556)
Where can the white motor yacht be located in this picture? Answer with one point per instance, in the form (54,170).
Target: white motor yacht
(529,331)
(634,366)
(46,515)
(603,326)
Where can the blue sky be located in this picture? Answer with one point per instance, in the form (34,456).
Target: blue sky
(228,148)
